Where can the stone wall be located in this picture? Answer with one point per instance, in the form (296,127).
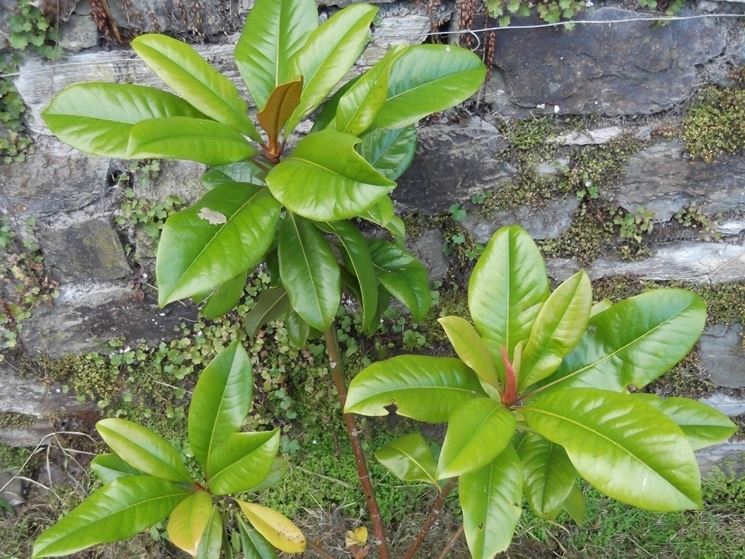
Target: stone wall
(578,135)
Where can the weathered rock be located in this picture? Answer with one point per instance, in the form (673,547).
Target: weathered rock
(728,405)
(646,70)
(54,178)
(79,32)
(453,162)
(553,167)
(728,456)
(59,330)
(661,179)
(545,222)
(694,262)
(593,137)
(429,248)
(731,227)
(175,178)
(87,250)
(176,16)
(13,489)
(723,355)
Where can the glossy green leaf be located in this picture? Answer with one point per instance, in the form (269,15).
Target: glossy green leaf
(409,458)
(241,462)
(478,431)
(507,288)
(109,467)
(240,172)
(633,342)
(275,527)
(329,53)
(254,544)
(274,32)
(309,272)
(357,257)
(337,182)
(271,305)
(193,78)
(382,214)
(98,117)
(225,232)
(491,499)
(359,106)
(326,115)
(624,447)
(297,329)
(471,349)
(549,475)
(702,425)
(575,505)
(189,520)
(427,79)
(180,137)
(423,388)
(221,401)
(559,326)
(390,151)
(600,306)
(282,101)
(142,449)
(115,512)
(402,275)
(211,543)
(225,297)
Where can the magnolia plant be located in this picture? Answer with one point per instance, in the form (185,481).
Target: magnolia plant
(146,479)
(545,390)
(270,198)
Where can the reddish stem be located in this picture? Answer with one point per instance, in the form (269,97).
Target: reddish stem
(337,374)
(509,396)
(432,517)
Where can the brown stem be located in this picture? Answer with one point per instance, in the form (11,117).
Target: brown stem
(337,374)
(451,542)
(318,550)
(432,517)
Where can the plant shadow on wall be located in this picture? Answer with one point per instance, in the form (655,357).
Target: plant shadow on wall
(291,209)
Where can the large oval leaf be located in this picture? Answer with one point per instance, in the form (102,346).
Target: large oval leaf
(226,297)
(624,447)
(390,151)
(211,543)
(558,327)
(357,257)
(325,179)
(272,304)
(195,139)
(427,79)
(402,275)
(109,467)
(409,458)
(253,544)
(478,431)
(274,31)
(221,400)
(549,475)
(329,53)
(142,449)
(491,502)
(702,425)
(470,348)
(116,511)
(242,462)
(275,527)
(508,285)
(309,272)
(633,342)
(225,232)
(189,520)
(97,117)
(382,213)
(423,388)
(184,70)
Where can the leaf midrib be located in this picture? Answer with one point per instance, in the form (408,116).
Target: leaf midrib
(301,244)
(418,464)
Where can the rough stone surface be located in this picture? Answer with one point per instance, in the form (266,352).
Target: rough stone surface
(728,456)
(593,137)
(13,489)
(429,248)
(55,178)
(87,250)
(728,405)
(453,163)
(79,33)
(177,16)
(647,70)
(545,222)
(661,179)
(61,329)
(176,178)
(694,262)
(723,355)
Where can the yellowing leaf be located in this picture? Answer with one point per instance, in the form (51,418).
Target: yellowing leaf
(275,527)
(189,520)
(356,537)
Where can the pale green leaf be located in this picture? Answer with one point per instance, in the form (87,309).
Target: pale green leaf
(409,458)
(241,462)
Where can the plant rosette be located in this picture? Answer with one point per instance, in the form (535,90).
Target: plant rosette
(145,479)
(544,391)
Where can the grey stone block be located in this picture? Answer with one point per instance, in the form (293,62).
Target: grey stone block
(723,355)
